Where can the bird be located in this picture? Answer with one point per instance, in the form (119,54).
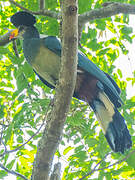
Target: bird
(93,85)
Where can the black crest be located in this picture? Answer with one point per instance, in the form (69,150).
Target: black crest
(23,18)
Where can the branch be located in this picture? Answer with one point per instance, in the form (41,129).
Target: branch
(56,174)
(43,12)
(107,11)
(12,172)
(1,138)
(42,4)
(94,169)
(15,48)
(100,169)
(14,150)
(118,162)
(55,124)
(5,38)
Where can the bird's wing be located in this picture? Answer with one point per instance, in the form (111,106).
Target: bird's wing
(44,81)
(114,83)
(44,59)
(90,67)
(53,44)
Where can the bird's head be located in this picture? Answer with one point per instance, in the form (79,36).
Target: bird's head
(24,22)
(23,18)
(17,33)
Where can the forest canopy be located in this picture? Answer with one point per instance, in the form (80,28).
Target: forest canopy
(26,102)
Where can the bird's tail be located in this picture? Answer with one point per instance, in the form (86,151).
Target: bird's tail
(112,123)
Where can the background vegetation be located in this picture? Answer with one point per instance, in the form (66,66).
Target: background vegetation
(83,151)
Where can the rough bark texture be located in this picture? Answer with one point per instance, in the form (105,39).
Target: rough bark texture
(55,124)
(56,174)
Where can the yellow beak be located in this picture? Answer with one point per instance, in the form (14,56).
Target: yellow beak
(13,34)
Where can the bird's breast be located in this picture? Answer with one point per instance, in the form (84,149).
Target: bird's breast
(47,65)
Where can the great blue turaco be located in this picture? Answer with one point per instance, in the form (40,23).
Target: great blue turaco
(94,86)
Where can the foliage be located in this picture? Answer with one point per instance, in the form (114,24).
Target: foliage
(22,105)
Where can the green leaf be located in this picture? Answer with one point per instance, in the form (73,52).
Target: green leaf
(69,148)
(2,111)
(120,73)
(6,158)
(28,71)
(3,50)
(77,140)
(20,139)
(94,45)
(100,24)
(126,30)
(9,133)
(58,153)
(84,5)
(10,165)
(31,133)
(79,148)
(63,143)
(131,160)
(91,142)
(102,51)
(126,18)
(21,82)
(128,38)
(3,174)
(21,98)
(81,155)
(92,33)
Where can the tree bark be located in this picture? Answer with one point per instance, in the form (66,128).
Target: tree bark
(55,124)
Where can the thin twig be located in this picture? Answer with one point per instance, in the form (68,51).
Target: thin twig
(108,10)
(118,162)
(1,133)
(1,124)
(100,169)
(1,138)
(5,38)
(15,48)
(95,167)
(42,4)
(111,9)
(16,149)
(44,12)
(13,172)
